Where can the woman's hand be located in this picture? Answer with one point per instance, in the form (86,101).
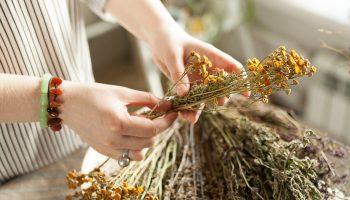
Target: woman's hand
(98,113)
(150,21)
(172,47)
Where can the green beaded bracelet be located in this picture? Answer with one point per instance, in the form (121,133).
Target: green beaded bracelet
(44,101)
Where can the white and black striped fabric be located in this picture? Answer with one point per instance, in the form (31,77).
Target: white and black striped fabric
(36,37)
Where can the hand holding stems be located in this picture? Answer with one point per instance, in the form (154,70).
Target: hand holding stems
(171,46)
(172,54)
(98,113)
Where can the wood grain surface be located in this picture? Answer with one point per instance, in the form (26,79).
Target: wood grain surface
(45,183)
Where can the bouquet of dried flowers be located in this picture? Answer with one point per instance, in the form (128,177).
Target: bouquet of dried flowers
(227,155)
(276,72)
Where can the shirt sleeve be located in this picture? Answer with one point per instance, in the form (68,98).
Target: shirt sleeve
(98,7)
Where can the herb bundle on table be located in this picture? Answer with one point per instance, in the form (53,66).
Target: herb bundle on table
(226,155)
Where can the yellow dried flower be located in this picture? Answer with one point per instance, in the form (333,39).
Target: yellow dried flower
(252,64)
(301,63)
(288,91)
(295,82)
(278,64)
(297,70)
(265,99)
(294,54)
(313,69)
(268,91)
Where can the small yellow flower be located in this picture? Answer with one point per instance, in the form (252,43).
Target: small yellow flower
(297,70)
(125,184)
(301,63)
(277,64)
(294,54)
(139,189)
(256,61)
(265,99)
(313,69)
(268,91)
(288,91)
(220,79)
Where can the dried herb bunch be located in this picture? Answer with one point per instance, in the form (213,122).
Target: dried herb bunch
(257,164)
(97,185)
(276,72)
(225,156)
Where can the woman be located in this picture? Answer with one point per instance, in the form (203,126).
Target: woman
(40,36)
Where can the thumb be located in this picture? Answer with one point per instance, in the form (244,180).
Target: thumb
(177,69)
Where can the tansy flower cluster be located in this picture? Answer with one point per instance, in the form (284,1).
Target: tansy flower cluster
(278,71)
(96,185)
(201,65)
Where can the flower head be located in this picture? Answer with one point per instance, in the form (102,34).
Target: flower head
(280,69)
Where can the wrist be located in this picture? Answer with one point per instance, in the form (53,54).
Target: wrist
(69,96)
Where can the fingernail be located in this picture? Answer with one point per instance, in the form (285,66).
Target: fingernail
(246,94)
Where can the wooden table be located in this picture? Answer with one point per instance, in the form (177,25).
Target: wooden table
(45,183)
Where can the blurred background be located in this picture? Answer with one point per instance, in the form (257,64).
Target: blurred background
(319,30)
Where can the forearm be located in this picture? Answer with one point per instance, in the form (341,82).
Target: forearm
(19,98)
(145,19)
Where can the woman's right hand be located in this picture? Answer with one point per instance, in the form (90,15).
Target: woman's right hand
(98,113)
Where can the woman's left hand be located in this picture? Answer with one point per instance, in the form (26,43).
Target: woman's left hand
(172,47)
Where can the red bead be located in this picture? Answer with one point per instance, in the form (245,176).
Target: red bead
(54,104)
(54,121)
(53,112)
(56,91)
(51,97)
(55,81)
(56,127)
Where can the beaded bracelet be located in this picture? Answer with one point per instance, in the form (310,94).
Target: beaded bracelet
(54,122)
(49,112)
(44,100)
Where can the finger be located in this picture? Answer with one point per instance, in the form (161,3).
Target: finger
(176,68)
(246,93)
(191,116)
(142,127)
(133,155)
(217,57)
(133,143)
(164,122)
(159,106)
(139,98)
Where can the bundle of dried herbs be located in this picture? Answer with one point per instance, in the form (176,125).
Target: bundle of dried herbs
(256,164)
(276,72)
(228,154)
